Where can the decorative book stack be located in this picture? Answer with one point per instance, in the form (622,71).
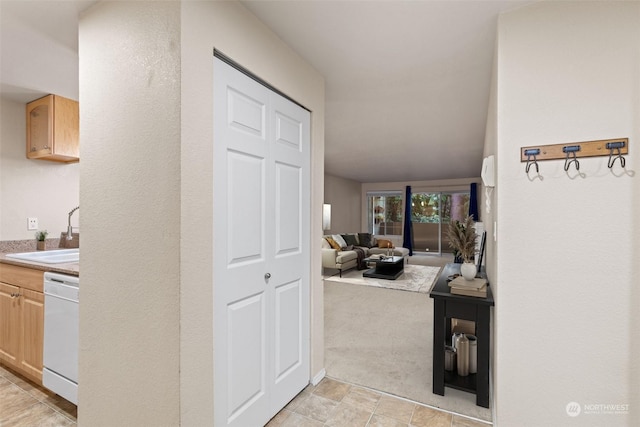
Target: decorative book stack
(472,288)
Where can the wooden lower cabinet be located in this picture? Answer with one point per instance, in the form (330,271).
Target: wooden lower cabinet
(32,333)
(22,321)
(9,324)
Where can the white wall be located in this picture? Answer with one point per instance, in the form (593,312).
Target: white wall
(129,357)
(344,195)
(32,188)
(566,315)
(229,27)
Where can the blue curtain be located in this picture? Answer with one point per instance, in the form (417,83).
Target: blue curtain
(408,225)
(473,202)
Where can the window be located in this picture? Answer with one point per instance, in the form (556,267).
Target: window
(431,214)
(385,212)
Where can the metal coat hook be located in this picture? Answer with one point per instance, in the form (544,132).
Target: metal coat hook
(615,146)
(532,152)
(571,150)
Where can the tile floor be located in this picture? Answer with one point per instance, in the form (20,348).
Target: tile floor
(336,404)
(24,404)
(331,403)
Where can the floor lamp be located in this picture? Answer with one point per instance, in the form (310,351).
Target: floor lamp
(326,216)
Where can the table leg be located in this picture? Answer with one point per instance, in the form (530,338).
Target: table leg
(438,347)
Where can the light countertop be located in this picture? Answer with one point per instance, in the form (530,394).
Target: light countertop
(72,268)
(9,247)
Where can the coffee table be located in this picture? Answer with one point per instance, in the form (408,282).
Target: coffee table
(389,268)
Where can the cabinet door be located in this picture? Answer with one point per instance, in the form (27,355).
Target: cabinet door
(53,129)
(32,333)
(9,324)
(40,127)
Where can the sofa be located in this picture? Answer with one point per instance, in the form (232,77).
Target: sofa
(339,255)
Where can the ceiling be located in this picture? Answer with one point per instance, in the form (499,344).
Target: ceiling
(39,48)
(407,82)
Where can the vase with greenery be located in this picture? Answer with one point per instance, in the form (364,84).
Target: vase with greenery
(41,237)
(462,239)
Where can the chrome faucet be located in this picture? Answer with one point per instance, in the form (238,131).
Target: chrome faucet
(69,228)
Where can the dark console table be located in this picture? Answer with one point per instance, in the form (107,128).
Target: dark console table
(445,307)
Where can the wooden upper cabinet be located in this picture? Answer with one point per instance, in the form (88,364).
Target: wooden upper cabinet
(53,124)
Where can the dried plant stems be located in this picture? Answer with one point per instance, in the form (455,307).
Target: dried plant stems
(462,237)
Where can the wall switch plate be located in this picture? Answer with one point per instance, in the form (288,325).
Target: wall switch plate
(32,223)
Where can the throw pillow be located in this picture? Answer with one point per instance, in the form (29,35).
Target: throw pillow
(333,243)
(339,240)
(384,243)
(350,239)
(365,239)
(325,244)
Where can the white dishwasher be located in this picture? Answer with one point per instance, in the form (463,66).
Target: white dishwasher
(60,357)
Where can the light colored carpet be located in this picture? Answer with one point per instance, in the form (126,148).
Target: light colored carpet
(416,278)
(382,339)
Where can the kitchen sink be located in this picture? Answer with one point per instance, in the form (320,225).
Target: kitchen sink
(56,256)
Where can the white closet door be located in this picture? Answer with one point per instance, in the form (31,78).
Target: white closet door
(289,259)
(261,249)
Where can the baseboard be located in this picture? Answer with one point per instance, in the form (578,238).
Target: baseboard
(492,400)
(318,377)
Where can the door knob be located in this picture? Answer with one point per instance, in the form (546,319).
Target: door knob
(267,276)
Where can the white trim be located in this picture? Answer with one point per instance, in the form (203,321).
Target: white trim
(492,401)
(318,377)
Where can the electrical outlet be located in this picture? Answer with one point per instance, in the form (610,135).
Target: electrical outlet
(32,223)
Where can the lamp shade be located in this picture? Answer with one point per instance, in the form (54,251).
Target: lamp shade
(326,216)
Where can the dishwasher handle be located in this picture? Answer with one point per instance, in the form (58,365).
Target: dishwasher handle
(66,279)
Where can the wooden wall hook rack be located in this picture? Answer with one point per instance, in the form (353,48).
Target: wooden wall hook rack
(587,149)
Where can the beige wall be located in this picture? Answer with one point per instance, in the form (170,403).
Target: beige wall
(32,188)
(129,356)
(344,195)
(146,106)
(488,213)
(487,195)
(230,28)
(566,317)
